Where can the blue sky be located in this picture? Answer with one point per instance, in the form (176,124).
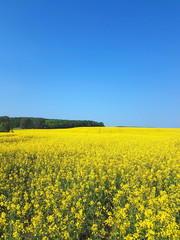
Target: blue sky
(111,61)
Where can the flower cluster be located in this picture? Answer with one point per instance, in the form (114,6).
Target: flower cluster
(90,183)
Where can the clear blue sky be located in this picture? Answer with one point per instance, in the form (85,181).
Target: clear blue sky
(112,61)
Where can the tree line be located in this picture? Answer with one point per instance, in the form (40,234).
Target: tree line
(7,123)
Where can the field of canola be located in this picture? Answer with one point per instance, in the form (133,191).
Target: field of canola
(90,183)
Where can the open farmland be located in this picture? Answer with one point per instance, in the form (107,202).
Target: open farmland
(90,183)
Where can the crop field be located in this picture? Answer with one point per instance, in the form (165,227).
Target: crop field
(90,183)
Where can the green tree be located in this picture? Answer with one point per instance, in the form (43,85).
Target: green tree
(38,123)
(15,122)
(4,124)
(26,123)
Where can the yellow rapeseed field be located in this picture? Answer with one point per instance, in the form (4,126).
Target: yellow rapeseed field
(90,183)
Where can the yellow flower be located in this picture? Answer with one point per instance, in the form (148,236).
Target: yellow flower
(94,227)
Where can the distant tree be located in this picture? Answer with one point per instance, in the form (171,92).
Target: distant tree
(26,123)
(38,123)
(15,122)
(101,124)
(4,124)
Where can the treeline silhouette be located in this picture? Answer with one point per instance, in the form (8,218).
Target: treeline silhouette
(7,123)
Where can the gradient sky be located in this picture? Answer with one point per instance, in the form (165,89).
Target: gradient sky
(112,61)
